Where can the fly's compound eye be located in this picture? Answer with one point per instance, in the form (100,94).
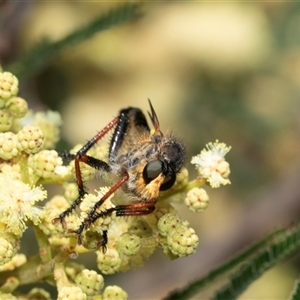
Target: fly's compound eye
(153,169)
(168,182)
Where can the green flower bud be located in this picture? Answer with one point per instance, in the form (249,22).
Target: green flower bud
(90,282)
(6,120)
(30,139)
(129,244)
(183,241)
(114,292)
(196,199)
(71,293)
(168,222)
(8,85)
(109,262)
(7,251)
(17,107)
(8,145)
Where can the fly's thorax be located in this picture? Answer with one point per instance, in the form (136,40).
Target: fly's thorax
(138,155)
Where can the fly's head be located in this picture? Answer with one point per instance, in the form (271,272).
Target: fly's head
(167,159)
(166,162)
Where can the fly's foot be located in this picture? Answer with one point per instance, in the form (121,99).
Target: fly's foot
(93,240)
(78,232)
(66,155)
(60,219)
(104,241)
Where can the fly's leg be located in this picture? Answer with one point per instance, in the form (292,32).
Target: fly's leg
(137,209)
(90,218)
(81,156)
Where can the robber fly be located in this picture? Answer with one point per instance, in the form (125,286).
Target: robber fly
(145,162)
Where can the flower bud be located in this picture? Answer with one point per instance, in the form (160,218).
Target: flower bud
(8,85)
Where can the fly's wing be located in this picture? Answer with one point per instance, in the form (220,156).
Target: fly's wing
(132,127)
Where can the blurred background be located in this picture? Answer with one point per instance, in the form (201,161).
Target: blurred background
(213,70)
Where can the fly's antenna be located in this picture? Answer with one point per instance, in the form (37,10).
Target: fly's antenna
(154,119)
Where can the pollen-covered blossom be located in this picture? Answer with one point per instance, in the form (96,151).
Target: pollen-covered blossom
(17,203)
(90,200)
(211,164)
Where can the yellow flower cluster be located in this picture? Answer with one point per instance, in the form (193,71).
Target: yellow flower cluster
(18,194)
(27,161)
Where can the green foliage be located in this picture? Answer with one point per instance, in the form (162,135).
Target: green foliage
(296,293)
(253,262)
(45,51)
(196,286)
(282,247)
